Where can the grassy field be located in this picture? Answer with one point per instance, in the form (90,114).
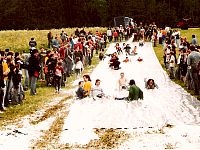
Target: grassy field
(18,40)
(159,52)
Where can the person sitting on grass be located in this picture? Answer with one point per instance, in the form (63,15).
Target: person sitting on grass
(81,93)
(150,84)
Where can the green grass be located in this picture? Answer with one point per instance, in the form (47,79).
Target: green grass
(18,40)
(159,53)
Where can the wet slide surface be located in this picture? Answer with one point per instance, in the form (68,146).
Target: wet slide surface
(169,105)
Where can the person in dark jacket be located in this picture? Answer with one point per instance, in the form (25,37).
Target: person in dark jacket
(33,70)
(80,93)
(135,92)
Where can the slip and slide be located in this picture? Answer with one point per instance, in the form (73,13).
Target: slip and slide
(169,104)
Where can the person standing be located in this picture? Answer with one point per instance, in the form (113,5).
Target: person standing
(32,43)
(33,70)
(78,67)
(135,92)
(58,76)
(194,40)
(192,62)
(109,34)
(50,38)
(2,86)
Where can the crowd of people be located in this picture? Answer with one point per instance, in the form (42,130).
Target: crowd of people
(182,59)
(68,54)
(64,56)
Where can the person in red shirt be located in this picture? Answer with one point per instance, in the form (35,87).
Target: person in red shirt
(62,51)
(58,75)
(115,34)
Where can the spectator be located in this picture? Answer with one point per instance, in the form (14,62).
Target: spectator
(78,67)
(192,62)
(50,38)
(33,70)
(32,43)
(194,41)
(58,76)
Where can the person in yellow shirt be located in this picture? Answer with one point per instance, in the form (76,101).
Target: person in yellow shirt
(4,73)
(87,84)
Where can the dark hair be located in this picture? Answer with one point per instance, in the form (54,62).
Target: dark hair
(59,63)
(2,53)
(16,54)
(193,36)
(7,50)
(79,83)
(97,80)
(87,76)
(150,81)
(77,59)
(192,47)
(132,82)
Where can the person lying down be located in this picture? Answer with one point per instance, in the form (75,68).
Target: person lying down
(150,84)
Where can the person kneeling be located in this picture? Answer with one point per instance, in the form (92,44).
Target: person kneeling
(81,93)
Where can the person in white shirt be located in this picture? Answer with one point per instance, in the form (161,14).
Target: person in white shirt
(78,66)
(96,90)
(177,35)
(172,66)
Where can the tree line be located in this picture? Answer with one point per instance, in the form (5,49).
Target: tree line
(47,14)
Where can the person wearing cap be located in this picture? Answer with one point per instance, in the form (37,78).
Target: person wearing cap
(135,92)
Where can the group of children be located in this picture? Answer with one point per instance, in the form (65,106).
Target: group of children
(86,89)
(114,62)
